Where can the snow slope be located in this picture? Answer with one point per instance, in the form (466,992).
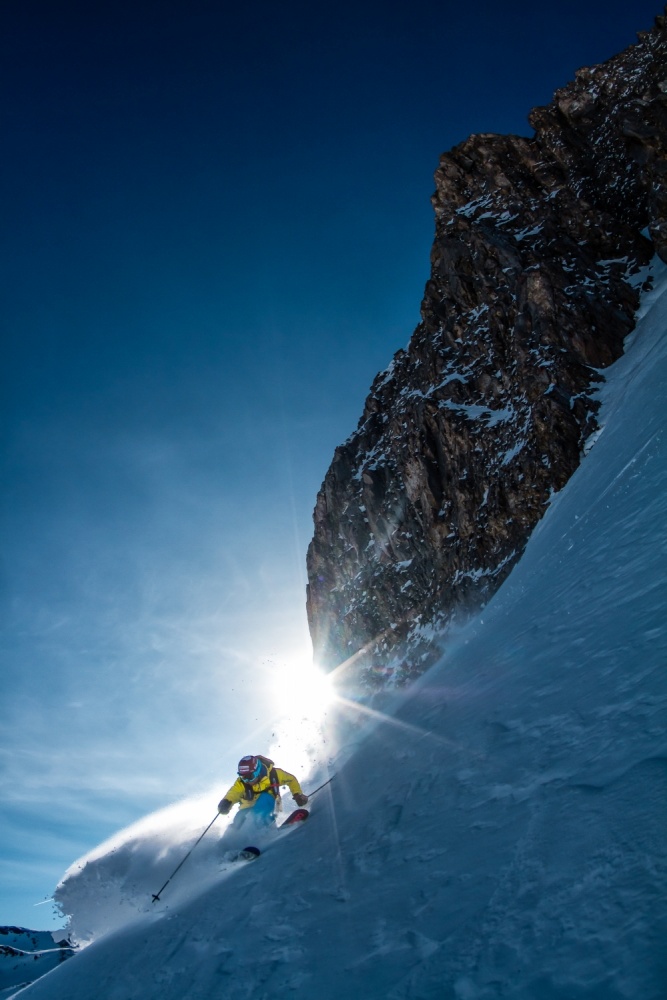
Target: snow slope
(501,835)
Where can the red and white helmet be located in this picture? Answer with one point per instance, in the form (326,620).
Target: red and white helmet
(250,769)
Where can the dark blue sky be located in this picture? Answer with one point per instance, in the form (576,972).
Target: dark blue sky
(216,231)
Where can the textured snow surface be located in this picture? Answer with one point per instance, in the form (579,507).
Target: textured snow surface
(502,834)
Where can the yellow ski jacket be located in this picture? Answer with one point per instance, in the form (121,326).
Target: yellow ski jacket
(245,795)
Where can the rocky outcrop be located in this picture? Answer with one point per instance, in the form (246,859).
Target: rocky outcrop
(535,272)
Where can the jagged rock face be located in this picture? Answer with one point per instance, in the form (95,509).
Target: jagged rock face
(535,265)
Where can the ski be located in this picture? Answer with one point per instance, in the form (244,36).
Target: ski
(248,854)
(298,816)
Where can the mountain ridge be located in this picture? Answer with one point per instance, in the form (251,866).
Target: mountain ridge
(536,266)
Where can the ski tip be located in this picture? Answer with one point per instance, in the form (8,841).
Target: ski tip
(298,816)
(248,853)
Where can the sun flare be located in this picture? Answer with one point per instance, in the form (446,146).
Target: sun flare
(301,689)
(301,696)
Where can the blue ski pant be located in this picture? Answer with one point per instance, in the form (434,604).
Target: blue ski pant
(260,812)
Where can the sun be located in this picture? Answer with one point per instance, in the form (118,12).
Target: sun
(302,694)
(301,689)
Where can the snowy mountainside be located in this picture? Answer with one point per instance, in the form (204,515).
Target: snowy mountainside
(502,833)
(26,954)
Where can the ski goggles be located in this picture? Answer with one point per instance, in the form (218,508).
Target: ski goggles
(250,779)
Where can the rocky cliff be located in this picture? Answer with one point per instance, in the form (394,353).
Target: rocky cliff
(535,273)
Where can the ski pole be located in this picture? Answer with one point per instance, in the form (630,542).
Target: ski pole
(156,895)
(310,794)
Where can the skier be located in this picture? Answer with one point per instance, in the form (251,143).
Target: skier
(257,791)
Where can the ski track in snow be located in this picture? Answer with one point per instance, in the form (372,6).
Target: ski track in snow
(501,835)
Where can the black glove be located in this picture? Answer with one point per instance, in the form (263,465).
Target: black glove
(300,798)
(224,806)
